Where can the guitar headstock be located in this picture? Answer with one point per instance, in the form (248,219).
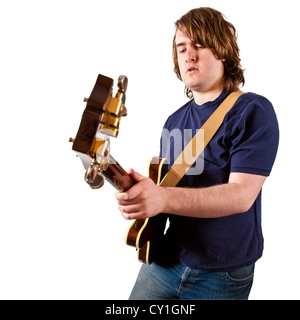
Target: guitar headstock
(100,121)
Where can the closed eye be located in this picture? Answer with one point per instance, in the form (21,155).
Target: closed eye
(181,47)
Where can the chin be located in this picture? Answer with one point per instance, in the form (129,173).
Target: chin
(196,88)
(193,85)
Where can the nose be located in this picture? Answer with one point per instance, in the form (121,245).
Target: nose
(191,55)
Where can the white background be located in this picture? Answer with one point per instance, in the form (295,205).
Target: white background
(58,238)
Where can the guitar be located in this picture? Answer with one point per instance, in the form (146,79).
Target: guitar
(100,121)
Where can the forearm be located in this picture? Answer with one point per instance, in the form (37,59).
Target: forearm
(212,202)
(146,199)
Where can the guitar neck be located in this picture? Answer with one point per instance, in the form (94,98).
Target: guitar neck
(117,176)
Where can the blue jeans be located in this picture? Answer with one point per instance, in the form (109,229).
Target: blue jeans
(159,282)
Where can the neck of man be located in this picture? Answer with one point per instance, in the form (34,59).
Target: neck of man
(202,97)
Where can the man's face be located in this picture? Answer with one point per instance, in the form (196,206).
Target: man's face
(200,69)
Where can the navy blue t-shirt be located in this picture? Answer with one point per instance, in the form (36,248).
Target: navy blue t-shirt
(247,142)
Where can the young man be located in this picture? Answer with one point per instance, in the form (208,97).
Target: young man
(215,236)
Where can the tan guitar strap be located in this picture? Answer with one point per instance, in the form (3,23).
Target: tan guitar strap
(195,147)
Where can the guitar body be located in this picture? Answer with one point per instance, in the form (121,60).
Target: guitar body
(145,234)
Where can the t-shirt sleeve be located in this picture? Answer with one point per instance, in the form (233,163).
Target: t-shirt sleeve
(255,138)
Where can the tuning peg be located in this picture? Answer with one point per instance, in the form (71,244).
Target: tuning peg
(71,140)
(97,182)
(124,112)
(93,177)
(85,99)
(122,83)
